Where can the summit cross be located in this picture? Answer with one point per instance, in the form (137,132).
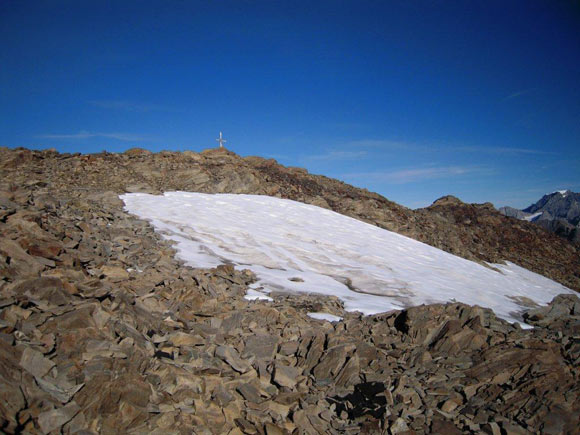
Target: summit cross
(221,140)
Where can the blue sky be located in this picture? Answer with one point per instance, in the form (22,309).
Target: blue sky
(414,100)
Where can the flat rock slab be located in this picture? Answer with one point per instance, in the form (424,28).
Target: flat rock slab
(231,356)
(261,346)
(35,363)
(286,376)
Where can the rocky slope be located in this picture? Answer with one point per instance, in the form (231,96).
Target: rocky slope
(103,331)
(475,232)
(558,212)
(481,232)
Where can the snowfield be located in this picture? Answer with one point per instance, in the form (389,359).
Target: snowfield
(296,247)
(531,217)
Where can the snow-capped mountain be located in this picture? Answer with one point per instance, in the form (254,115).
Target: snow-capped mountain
(563,204)
(295,247)
(558,212)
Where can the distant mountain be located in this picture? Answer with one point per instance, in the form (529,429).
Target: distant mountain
(558,212)
(563,204)
(518,214)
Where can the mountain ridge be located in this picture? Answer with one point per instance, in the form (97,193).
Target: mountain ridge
(473,231)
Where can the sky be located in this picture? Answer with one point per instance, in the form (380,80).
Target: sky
(411,99)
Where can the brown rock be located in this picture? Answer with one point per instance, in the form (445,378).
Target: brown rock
(44,289)
(11,396)
(285,376)
(442,426)
(449,406)
(349,374)
(272,429)
(137,152)
(180,338)
(55,419)
(115,273)
(262,347)
(18,262)
(333,360)
(231,356)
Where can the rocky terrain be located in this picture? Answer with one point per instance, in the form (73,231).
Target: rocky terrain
(473,231)
(480,232)
(558,212)
(103,331)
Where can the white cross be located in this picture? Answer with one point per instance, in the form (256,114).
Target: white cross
(221,140)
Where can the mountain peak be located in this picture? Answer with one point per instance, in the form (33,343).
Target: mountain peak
(447,200)
(564,192)
(558,212)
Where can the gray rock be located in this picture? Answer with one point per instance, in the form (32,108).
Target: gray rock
(62,393)
(35,363)
(250,393)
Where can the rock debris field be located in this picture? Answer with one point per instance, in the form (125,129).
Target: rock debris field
(104,330)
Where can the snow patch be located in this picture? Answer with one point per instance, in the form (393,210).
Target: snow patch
(325,316)
(297,247)
(531,217)
(254,295)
